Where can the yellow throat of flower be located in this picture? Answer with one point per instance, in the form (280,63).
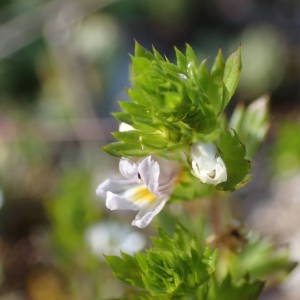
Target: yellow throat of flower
(142,194)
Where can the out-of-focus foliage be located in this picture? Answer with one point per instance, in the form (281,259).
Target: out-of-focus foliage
(251,123)
(264,67)
(286,151)
(72,211)
(258,259)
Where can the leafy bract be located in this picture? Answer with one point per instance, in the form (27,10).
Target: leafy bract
(251,123)
(232,74)
(176,267)
(174,104)
(233,153)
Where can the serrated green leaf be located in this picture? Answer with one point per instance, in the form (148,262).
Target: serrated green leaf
(232,74)
(157,55)
(181,60)
(126,269)
(121,149)
(123,117)
(135,109)
(233,154)
(203,76)
(217,69)
(190,55)
(140,51)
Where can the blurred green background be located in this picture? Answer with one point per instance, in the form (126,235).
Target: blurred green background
(64,64)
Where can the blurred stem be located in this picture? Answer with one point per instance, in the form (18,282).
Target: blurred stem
(215,214)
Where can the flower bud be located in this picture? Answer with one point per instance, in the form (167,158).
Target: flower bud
(207,164)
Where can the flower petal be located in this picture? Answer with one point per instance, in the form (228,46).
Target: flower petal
(145,216)
(113,185)
(128,168)
(149,171)
(115,202)
(125,127)
(207,164)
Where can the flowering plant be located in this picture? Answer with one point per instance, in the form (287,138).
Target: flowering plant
(146,187)
(176,143)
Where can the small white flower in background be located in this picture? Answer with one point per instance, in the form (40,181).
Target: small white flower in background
(146,187)
(109,238)
(207,164)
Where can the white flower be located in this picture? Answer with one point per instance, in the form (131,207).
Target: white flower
(207,164)
(146,187)
(109,238)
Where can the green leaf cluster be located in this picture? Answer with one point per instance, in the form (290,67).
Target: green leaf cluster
(174,104)
(286,150)
(176,267)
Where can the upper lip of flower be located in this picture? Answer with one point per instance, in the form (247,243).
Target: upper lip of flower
(207,164)
(146,187)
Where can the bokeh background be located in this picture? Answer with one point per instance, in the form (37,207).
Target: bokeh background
(64,64)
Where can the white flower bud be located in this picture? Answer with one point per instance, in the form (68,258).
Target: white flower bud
(207,164)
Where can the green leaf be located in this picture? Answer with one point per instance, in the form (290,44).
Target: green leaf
(232,74)
(251,123)
(140,51)
(233,153)
(217,69)
(120,149)
(181,60)
(126,269)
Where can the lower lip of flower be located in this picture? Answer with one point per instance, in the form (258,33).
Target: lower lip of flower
(142,194)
